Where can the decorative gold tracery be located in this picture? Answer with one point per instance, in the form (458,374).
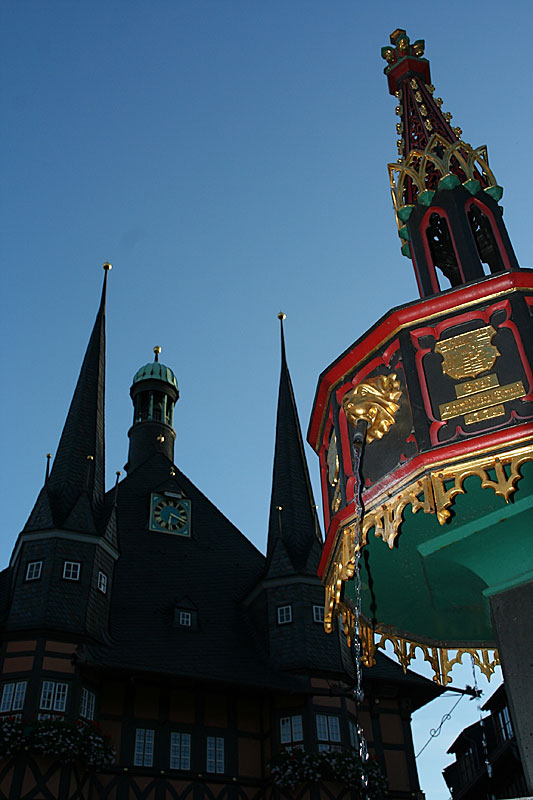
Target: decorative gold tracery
(442,157)
(440,659)
(429,494)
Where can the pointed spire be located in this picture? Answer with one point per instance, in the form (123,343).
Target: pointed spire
(294,539)
(78,467)
(434,162)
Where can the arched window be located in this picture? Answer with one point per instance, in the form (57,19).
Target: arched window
(487,246)
(441,248)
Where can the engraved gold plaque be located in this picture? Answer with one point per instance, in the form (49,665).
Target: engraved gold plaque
(468,354)
(479,400)
(471,387)
(484,413)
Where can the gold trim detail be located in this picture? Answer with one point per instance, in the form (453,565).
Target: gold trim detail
(503,485)
(429,492)
(440,659)
(374,400)
(441,156)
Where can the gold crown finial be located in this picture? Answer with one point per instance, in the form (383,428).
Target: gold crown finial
(107,266)
(157,350)
(282,316)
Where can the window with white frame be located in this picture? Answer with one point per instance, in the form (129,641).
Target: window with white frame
(180,750)
(185,618)
(504,724)
(328,732)
(102,582)
(318,613)
(33,570)
(13,695)
(88,700)
(284,614)
(144,747)
(54,696)
(291,732)
(71,570)
(215,754)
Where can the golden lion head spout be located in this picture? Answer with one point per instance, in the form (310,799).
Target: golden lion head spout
(374,400)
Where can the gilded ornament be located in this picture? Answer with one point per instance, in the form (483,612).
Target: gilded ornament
(458,131)
(423,110)
(374,400)
(428,125)
(439,101)
(468,354)
(430,88)
(502,485)
(333,473)
(440,659)
(414,83)
(418,96)
(448,116)
(442,157)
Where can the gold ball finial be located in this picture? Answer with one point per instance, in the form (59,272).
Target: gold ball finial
(157,350)
(282,316)
(107,266)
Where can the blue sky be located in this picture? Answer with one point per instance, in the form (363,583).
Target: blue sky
(228,157)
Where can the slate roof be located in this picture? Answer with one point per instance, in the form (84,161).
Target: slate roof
(294,538)
(213,569)
(75,488)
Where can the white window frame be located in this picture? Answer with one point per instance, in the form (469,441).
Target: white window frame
(185,619)
(328,732)
(180,750)
(88,702)
(291,732)
(143,755)
(33,570)
(71,570)
(13,695)
(318,614)
(284,615)
(54,696)
(215,755)
(102,582)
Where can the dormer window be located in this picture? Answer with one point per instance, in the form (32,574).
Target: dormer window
(284,615)
(186,616)
(102,582)
(33,570)
(71,570)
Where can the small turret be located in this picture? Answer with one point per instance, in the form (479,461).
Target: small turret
(444,192)
(154,393)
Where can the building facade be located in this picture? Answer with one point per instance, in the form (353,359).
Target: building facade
(142,610)
(487,762)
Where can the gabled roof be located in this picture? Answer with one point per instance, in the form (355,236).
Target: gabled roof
(214,569)
(75,489)
(294,538)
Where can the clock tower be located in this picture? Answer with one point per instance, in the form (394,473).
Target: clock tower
(154,393)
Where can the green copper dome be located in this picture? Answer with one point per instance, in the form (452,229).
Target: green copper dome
(155,371)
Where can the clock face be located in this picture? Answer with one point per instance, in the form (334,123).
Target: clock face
(170,514)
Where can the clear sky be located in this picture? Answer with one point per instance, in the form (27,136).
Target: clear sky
(228,157)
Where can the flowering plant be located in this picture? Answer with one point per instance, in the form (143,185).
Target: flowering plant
(292,767)
(68,741)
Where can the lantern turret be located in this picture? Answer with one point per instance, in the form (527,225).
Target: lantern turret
(444,193)
(154,393)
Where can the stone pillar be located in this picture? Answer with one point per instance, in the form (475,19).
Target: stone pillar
(511,615)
